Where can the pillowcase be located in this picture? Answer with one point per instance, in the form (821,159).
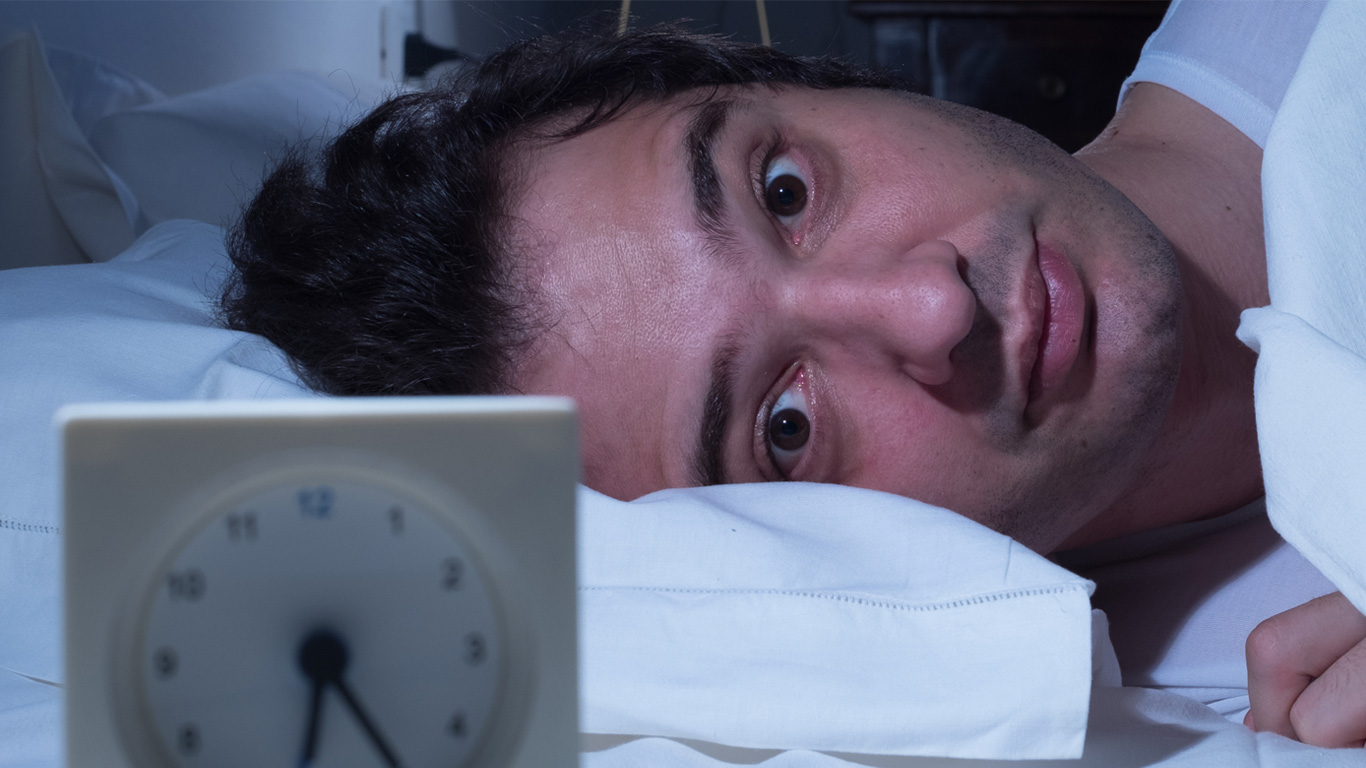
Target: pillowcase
(139,327)
(823,617)
(92,89)
(201,155)
(58,203)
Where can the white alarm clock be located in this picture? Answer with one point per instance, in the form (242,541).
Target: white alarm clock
(332,582)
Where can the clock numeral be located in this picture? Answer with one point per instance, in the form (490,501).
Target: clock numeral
(242,527)
(316,501)
(187,739)
(396,520)
(186,585)
(457,726)
(452,571)
(165,662)
(476,649)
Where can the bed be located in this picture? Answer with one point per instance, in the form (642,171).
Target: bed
(793,625)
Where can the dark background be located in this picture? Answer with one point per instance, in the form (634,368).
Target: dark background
(1054,65)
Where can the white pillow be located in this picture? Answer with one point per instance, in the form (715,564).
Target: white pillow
(139,327)
(805,616)
(58,203)
(92,89)
(203,154)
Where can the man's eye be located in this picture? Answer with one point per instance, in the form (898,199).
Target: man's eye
(784,189)
(789,427)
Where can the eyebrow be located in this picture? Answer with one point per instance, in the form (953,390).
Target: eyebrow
(708,465)
(709,213)
(704,129)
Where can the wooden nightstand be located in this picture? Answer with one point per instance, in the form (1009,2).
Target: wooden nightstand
(1053,65)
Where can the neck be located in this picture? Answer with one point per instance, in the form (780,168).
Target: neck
(1199,180)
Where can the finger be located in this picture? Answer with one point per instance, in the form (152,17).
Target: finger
(1287,651)
(1332,710)
(1249,721)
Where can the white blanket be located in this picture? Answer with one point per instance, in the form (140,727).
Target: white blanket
(1311,369)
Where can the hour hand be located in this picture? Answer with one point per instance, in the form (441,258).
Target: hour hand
(315,708)
(322,658)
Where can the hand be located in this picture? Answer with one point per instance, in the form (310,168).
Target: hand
(315,711)
(1306,673)
(371,730)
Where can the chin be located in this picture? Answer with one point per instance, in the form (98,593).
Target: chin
(1101,454)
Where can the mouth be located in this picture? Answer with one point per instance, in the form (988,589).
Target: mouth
(1059,320)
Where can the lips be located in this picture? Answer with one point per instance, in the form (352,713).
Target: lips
(1061,326)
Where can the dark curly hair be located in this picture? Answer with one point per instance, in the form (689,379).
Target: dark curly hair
(383,266)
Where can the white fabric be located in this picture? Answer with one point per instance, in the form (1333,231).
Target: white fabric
(92,89)
(1236,57)
(1182,600)
(201,155)
(58,202)
(1128,727)
(139,327)
(1311,368)
(30,722)
(824,617)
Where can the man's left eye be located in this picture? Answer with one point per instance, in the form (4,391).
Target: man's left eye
(785,189)
(789,427)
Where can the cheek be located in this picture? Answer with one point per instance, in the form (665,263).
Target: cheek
(926,452)
(1138,324)
(928,192)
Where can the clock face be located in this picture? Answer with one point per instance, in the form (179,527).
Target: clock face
(321,622)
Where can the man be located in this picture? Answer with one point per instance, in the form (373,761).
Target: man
(747,267)
(1041,312)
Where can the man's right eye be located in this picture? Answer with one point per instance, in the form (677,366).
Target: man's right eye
(785,190)
(789,427)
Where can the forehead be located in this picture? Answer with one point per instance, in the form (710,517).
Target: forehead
(606,225)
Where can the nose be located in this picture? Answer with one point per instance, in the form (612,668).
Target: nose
(914,308)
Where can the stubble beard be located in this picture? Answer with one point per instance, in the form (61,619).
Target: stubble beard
(1093,455)
(1137,337)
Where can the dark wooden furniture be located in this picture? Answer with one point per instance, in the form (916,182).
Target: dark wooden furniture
(1053,65)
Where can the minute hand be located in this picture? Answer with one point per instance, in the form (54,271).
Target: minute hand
(365,722)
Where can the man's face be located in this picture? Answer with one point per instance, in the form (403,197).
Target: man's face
(854,287)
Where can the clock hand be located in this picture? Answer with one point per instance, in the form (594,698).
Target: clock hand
(314,718)
(323,658)
(366,723)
